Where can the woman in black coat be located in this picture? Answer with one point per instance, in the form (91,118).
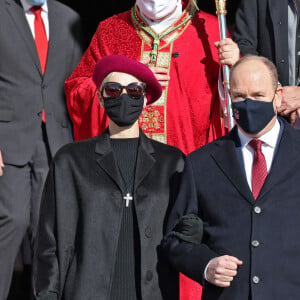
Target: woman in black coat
(106,201)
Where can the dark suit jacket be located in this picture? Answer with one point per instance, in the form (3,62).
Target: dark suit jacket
(261,28)
(81,214)
(24,90)
(264,233)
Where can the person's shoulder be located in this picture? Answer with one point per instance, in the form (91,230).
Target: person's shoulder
(75,149)
(207,17)
(162,148)
(205,151)
(63,8)
(207,23)
(121,17)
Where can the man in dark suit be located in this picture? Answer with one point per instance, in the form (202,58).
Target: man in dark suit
(271,28)
(106,201)
(40,46)
(245,188)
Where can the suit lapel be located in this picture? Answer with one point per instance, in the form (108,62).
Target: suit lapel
(145,160)
(226,158)
(106,160)
(16,11)
(53,45)
(287,154)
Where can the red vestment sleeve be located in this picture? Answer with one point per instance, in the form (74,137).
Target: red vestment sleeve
(81,94)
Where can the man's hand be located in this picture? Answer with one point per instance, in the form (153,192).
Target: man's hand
(1,164)
(290,104)
(160,73)
(221,270)
(229,52)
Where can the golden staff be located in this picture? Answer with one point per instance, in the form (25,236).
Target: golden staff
(221,13)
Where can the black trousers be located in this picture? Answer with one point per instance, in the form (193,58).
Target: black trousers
(20,196)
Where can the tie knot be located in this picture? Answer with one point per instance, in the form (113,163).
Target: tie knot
(256,145)
(36,10)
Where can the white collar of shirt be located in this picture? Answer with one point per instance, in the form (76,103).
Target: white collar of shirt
(268,148)
(160,26)
(30,16)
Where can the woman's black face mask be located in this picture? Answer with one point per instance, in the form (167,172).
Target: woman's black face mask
(124,110)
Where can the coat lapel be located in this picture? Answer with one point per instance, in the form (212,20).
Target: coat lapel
(145,160)
(53,45)
(107,161)
(287,154)
(16,11)
(226,158)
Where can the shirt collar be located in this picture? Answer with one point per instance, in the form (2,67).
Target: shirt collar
(26,5)
(269,138)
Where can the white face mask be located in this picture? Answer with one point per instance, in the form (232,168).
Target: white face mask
(156,9)
(37,2)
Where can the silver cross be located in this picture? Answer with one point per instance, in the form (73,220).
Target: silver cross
(128,197)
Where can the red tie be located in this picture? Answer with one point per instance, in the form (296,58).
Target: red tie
(259,168)
(41,41)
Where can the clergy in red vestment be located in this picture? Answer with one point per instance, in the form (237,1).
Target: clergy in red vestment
(180,44)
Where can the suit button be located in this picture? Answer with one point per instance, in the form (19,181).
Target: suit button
(149,275)
(148,232)
(255,279)
(282,61)
(44,86)
(279,22)
(255,243)
(257,209)
(64,124)
(175,54)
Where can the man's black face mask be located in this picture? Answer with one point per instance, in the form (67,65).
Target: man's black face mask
(253,115)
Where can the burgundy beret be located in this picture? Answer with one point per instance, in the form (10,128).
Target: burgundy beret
(124,64)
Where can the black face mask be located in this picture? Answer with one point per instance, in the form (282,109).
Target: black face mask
(253,115)
(123,110)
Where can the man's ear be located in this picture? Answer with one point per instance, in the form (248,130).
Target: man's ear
(101,101)
(278,96)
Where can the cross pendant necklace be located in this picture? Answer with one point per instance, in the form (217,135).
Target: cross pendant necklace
(128,198)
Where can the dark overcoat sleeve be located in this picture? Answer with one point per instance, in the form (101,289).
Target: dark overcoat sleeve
(45,264)
(54,247)
(246,27)
(187,258)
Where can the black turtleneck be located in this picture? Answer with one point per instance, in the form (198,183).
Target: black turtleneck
(126,277)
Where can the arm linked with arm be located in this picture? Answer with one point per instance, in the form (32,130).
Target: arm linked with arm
(184,250)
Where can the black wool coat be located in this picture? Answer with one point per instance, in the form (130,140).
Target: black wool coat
(81,217)
(263,233)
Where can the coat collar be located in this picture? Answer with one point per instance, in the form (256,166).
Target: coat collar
(106,160)
(226,153)
(286,154)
